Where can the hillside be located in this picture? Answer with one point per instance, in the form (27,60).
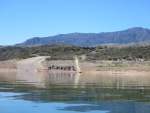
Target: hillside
(132,35)
(67,52)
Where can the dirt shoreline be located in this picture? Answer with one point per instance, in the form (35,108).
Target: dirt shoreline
(86,67)
(128,68)
(8,66)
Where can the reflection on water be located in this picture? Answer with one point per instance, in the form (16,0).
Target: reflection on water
(73,92)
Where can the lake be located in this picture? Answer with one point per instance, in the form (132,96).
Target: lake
(62,92)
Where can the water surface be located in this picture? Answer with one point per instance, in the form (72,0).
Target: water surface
(44,92)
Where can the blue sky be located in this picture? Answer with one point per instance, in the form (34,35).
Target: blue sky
(24,19)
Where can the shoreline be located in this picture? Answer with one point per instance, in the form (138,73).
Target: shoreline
(107,67)
(8,66)
(87,67)
(8,70)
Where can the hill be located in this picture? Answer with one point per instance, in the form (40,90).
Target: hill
(67,52)
(132,35)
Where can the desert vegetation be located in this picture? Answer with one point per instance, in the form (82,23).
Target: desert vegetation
(67,52)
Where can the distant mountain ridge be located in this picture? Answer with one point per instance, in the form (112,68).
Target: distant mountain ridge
(132,35)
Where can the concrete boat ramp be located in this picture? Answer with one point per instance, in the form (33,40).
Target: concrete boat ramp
(34,64)
(31,64)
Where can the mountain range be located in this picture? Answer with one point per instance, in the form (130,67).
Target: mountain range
(131,35)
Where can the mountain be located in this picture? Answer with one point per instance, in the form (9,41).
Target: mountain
(132,35)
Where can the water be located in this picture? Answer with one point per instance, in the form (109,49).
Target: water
(43,92)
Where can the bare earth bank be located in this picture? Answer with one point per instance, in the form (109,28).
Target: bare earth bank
(106,67)
(8,66)
(98,67)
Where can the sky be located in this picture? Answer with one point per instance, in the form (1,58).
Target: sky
(24,19)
